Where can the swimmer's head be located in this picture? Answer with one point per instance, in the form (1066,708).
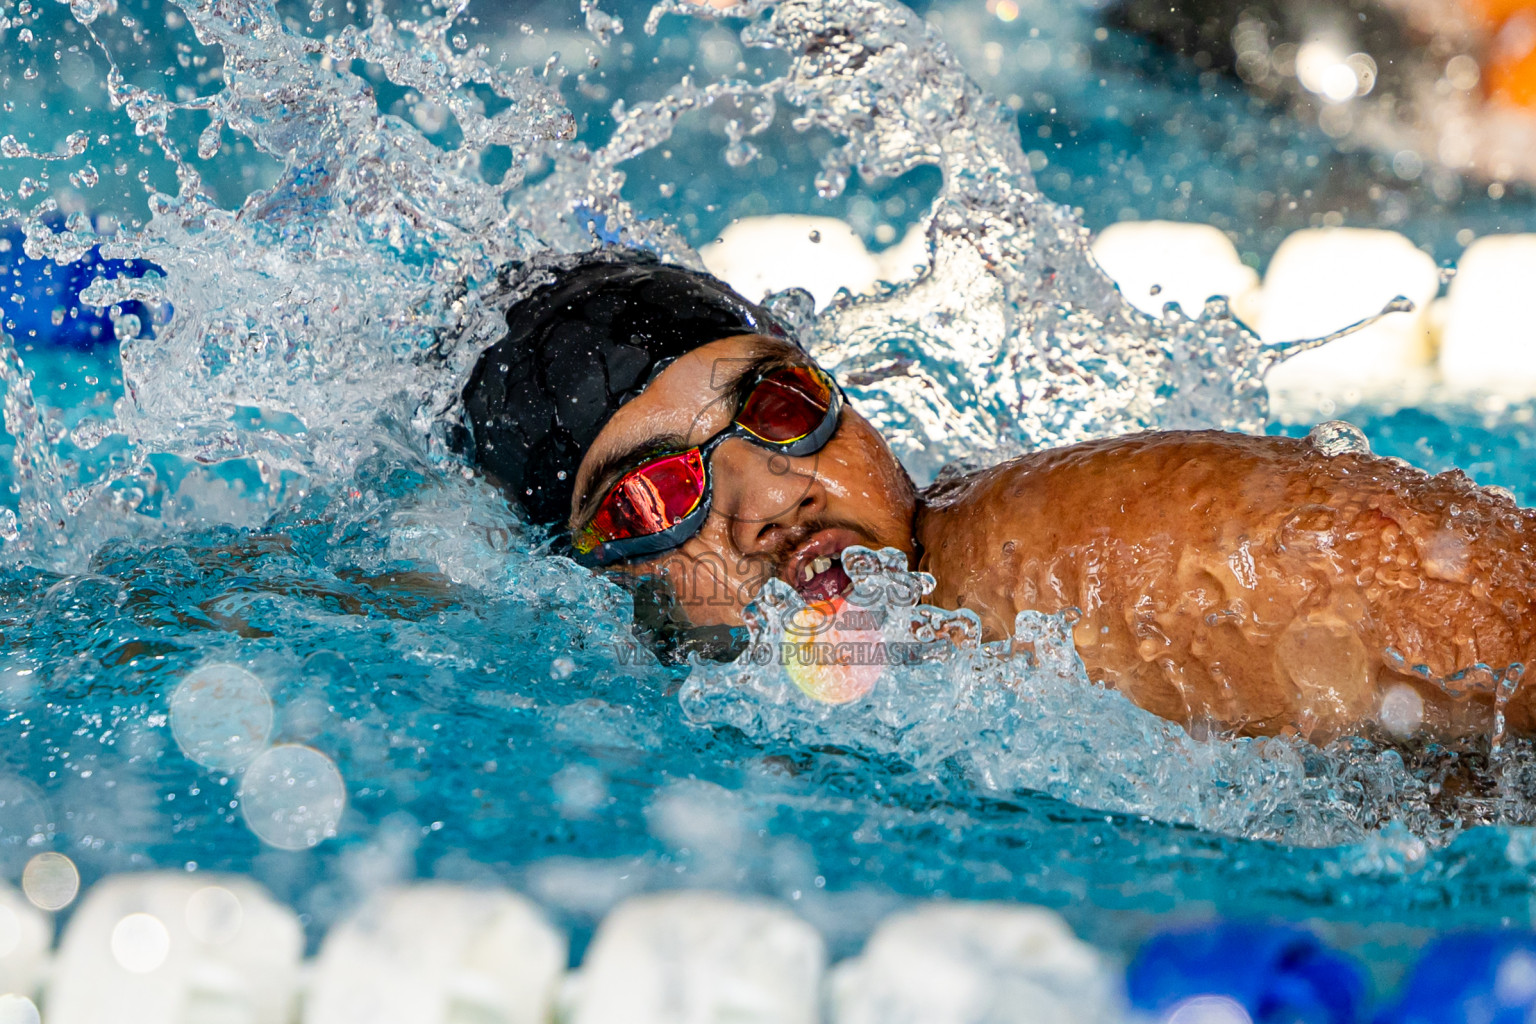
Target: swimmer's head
(718,457)
(585,335)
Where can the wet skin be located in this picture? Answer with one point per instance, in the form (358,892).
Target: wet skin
(770,513)
(1251,584)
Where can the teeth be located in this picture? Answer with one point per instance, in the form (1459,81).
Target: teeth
(818,565)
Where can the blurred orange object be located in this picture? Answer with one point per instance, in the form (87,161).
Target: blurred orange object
(1497,12)
(1509,65)
(1512,78)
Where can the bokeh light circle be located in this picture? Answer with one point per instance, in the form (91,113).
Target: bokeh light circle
(214,915)
(50,881)
(1208,1009)
(221,716)
(140,943)
(292,797)
(16,1009)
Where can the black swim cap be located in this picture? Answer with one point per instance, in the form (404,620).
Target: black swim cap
(582,343)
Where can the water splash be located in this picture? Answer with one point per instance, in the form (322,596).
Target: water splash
(1021,716)
(1339,437)
(1012,339)
(279,371)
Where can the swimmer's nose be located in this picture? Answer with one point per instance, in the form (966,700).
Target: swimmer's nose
(766,498)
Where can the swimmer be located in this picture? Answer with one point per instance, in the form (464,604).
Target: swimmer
(676,436)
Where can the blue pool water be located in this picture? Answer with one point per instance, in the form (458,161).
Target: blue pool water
(496,721)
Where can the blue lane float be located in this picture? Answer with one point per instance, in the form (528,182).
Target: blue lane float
(40,299)
(1470,978)
(1277,974)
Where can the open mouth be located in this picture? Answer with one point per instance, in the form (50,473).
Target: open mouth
(815,569)
(823,579)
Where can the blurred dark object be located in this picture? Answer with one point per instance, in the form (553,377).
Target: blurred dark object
(1431,83)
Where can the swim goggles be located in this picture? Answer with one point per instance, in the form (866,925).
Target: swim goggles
(663,502)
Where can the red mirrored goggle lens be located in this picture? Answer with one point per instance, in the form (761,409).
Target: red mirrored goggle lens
(787,404)
(647,500)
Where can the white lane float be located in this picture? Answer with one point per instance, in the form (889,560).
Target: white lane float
(1323,279)
(1156,262)
(436,953)
(968,963)
(176,948)
(758,255)
(698,958)
(1489,339)
(26,934)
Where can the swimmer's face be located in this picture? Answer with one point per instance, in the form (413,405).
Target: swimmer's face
(772,515)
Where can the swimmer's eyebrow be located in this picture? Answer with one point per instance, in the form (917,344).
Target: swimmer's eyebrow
(609,468)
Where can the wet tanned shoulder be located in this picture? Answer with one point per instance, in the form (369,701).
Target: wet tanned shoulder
(1253,582)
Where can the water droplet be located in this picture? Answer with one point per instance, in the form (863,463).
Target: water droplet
(125,326)
(208,141)
(795,308)
(1402,711)
(1338,437)
(740,153)
(90,432)
(85,11)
